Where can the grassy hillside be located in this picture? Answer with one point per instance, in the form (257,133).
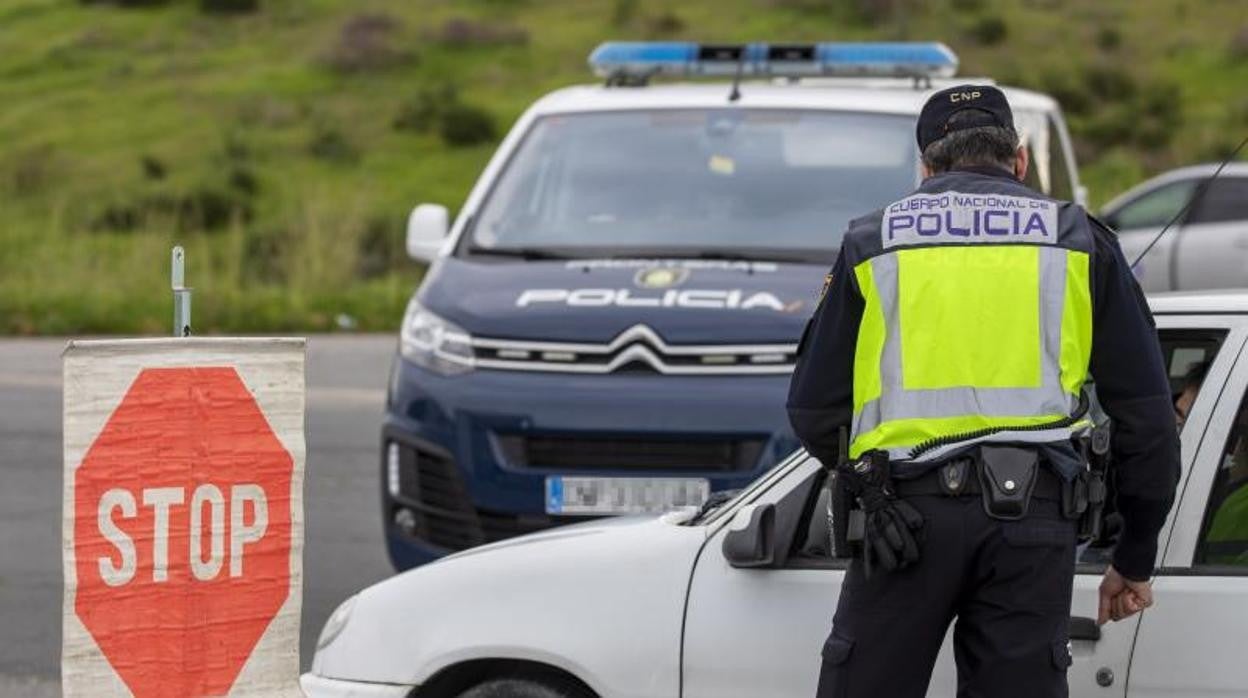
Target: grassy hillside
(284,146)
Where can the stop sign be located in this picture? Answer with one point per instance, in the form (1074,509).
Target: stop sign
(182,531)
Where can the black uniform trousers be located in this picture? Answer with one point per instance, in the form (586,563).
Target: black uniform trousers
(1008,584)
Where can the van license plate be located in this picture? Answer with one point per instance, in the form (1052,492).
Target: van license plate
(623,495)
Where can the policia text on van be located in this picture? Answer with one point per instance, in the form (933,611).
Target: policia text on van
(956,361)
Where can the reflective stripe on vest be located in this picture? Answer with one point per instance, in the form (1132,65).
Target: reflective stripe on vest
(956,339)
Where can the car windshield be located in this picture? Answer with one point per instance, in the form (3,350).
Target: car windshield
(695,182)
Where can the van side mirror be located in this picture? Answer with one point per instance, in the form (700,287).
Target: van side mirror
(751,542)
(426,229)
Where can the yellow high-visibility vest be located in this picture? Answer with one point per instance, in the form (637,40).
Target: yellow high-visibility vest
(977,317)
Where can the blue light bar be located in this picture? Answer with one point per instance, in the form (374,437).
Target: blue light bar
(639,60)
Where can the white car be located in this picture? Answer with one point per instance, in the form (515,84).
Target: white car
(737,601)
(1207,247)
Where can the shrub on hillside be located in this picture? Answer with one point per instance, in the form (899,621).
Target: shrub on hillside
(623,12)
(380,248)
(206,208)
(460,31)
(665,24)
(153,167)
(1110,83)
(229,6)
(1146,122)
(332,145)
(1158,115)
(243,180)
(1239,45)
(126,3)
(989,31)
(1108,38)
(367,42)
(1067,90)
(423,111)
(210,208)
(876,11)
(438,108)
(465,125)
(968,6)
(33,169)
(265,253)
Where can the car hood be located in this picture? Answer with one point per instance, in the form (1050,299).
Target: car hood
(685,301)
(602,600)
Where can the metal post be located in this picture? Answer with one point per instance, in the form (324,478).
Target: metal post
(181,295)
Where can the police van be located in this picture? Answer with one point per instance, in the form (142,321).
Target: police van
(609,324)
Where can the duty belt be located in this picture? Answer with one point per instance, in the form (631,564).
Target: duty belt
(960,477)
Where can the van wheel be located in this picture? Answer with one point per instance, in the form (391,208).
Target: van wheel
(527,688)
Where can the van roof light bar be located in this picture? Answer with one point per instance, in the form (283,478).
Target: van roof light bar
(635,62)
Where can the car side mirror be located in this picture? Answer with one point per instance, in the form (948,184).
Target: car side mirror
(751,542)
(426,230)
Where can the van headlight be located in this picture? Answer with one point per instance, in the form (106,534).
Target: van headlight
(436,344)
(337,621)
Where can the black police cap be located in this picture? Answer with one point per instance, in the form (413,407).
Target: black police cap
(987,104)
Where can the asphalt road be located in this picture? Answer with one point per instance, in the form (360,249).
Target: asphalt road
(344,550)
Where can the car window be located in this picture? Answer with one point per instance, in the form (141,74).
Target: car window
(1032,177)
(1154,209)
(1225,199)
(1224,534)
(1188,354)
(1060,180)
(684,181)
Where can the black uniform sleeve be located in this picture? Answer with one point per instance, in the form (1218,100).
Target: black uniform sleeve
(821,393)
(1133,388)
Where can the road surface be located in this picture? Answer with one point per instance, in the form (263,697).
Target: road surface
(346,391)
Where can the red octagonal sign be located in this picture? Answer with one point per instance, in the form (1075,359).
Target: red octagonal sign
(182,532)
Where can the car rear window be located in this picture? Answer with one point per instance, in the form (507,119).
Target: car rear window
(1225,199)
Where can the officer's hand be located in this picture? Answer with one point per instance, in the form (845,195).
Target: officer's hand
(1122,598)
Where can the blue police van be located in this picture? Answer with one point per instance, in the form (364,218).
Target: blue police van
(609,324)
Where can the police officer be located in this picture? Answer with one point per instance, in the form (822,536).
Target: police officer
(953,340)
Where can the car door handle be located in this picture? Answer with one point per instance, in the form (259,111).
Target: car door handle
(1082,628)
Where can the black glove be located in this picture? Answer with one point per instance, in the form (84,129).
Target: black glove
(893,527)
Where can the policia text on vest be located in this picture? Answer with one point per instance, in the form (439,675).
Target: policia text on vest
(953,341)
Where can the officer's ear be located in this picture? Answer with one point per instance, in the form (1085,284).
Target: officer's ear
(1021,161)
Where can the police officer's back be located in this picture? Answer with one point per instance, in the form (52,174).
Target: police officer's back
(955,334)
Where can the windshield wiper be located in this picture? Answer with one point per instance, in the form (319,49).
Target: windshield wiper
(530,253)
(752,255)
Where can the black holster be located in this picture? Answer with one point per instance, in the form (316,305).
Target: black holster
(1083,500)
(1007,477)
(845,522)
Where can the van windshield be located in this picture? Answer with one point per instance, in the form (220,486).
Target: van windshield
(758,183)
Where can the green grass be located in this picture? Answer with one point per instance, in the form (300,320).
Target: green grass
(314,183)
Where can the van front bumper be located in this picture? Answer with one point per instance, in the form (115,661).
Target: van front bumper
(464,459)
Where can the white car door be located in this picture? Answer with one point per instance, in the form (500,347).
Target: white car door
(759,632)
(756,632)
(1138,222)
(1191,643)
(1212,246)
